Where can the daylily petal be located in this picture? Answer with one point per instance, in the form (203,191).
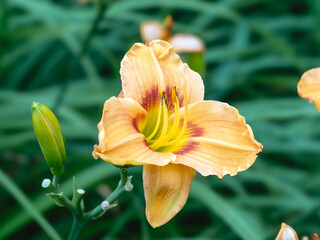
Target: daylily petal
(166,190)
(121,95)
(286,233)
(187,43)
(220,141)
(147,70)
(150,31)
(120,141)
(309,86)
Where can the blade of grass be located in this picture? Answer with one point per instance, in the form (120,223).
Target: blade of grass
(118,9)
(24,201)
(239,222)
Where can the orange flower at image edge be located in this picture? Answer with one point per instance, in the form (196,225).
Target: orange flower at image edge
(288,233)
(161,121)
(309,86)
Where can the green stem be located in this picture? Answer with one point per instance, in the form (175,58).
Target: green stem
(66,202)
(55,183)
(97,211)
(79,217)
(75,230)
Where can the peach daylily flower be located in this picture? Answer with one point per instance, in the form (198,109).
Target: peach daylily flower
(161,121)
(309,86)
(181,42)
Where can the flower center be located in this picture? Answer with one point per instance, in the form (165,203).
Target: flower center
(163,132)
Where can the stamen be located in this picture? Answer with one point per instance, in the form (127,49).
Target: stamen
(185,119)
(155,130)
(168,136)
(158,143)
(176,120)
(174,95)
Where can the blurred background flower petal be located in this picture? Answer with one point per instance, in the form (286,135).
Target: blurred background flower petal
(187,43)
(150,31)
(309,86)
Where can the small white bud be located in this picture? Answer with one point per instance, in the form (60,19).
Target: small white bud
(128,186)
(46,183)
(105,205)
(81,191)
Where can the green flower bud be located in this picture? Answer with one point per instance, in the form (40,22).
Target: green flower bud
(50,137)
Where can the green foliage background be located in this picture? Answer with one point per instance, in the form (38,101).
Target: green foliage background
(256,52)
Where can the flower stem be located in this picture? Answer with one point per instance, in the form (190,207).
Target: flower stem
(75,230)
(80,218)
(66,202)
(97,211)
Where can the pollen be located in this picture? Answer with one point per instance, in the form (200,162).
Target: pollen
(164,130)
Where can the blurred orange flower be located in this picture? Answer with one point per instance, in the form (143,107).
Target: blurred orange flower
(181,42)
(315,237)
(287,233)
(161,121)
(309,86)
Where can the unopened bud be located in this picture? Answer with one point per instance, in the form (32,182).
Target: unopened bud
(81,191)
(50,137)
(105,205)
(128,186)
(46,183)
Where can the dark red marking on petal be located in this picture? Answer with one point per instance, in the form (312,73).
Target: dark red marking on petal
(188,147)
(147,145)
(136,121)
(181,100)
(169,99)
(135,124)
(195,130)
(151,98)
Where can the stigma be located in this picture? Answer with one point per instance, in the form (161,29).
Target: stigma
(164,129)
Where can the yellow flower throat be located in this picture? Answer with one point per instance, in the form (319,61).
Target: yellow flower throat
(162,133)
